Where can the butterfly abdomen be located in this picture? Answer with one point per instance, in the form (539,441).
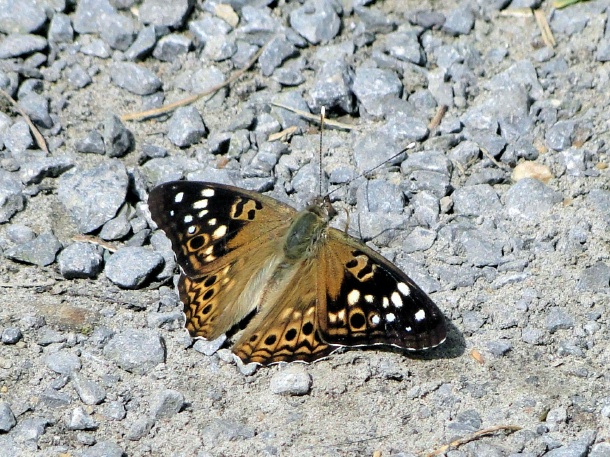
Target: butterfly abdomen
(307,228)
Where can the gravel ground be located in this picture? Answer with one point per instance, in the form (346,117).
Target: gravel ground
(501,212)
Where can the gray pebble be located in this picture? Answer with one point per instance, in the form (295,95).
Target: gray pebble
(277,51)
(577,448)
(172,320)
(476,200)
(21,16)
(557,318)
(168,13)
(93,143)
(12,199)
(40,251)
(140,428)
(288,76)
(7,418)
(37,107)
(60,29)
(420,239)
(293,380)
(137,351)
(423,180)
(172,47)
(372,86)
(80,420)
(600,450)
(96,48)
(186,127)
(559,136)
(143,44)
(11,335)
(116,228)
(17,45)
(575,161)
(63,362)
(426,208)
(595,278)
(49,336)
(117,30)
(36,166)
(18,138)
(499,348)
(80,260)
(603,50)
(89,13)
(246,369)
(114,410)
(371,150)
(118,140)
(287,118)
(226,430)
(379,195)
(90,392)
(29,431)
(130,267)
(405,46)
(244,120)
(134,78)
(487,176)
(427,160)
(94,196)
(209,347)
(104,449)
(316,21)
(167,404)
(220,47)
(78,77)
(403,128)
(532,335)
(467,421)
(207,27)
(530,199)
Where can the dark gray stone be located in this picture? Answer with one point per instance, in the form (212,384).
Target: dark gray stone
(405,46)
(167,13)
(78,77)
(293,380)
(499,348)
(465,153)
(530,199)
(81,420)
(63,362)
(21,16)
(90,392)
(130,267)
(136,351)
(403,128)
(533,336)
(40,251)
(172,47)
(186,127)
(286,118)
(18,138)
(7,418)
(60,29)
(143,44)
(373,87)
(11,335)
(467,421)
(488,176)
(557,319)
(134,78)
(595,278)
(94,196)
(114,410)
(424,180)
(116,228)
(459,21)
(12,199)
(118,140)
(117,31)
(559,136)
(37,165)
(17,45)
(275,53)
(288,76)
(577,448)
(140,428)
(373,21)
(89,14)
(316,21)
(476,200)
(427,160)
(93,143)
(167,403)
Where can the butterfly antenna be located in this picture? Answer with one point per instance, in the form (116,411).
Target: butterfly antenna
(322,117)
(367,172)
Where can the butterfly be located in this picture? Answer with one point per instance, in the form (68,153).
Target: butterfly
(312,288)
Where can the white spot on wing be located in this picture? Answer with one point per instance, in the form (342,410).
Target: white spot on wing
(179,196)
(188,219)
(203,213)
(191,229)
(420,315)
(353,297)
(219,232)
(403,288)
(408,329)
(396,300)
(212,221)
(385,302)
(207,193)
(390,317)
(172,212)
(369,298)
(200,204)
(375,319)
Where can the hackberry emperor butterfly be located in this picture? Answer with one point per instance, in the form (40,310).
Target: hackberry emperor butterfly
(314,287)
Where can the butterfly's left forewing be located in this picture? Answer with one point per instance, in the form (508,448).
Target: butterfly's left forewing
(365,300)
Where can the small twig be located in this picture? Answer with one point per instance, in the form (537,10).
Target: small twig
(314,117)
(474,436)
(438,117)
(545,30)
(493,160)
(95,240)
(284,134)
(19,285)
(193,98)
(37,135)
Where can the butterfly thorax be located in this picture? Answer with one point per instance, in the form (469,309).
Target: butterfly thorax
(308,227)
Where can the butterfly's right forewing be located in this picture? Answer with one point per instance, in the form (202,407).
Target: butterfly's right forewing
(223,237)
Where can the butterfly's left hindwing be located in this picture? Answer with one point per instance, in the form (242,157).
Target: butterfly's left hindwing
(366,300)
